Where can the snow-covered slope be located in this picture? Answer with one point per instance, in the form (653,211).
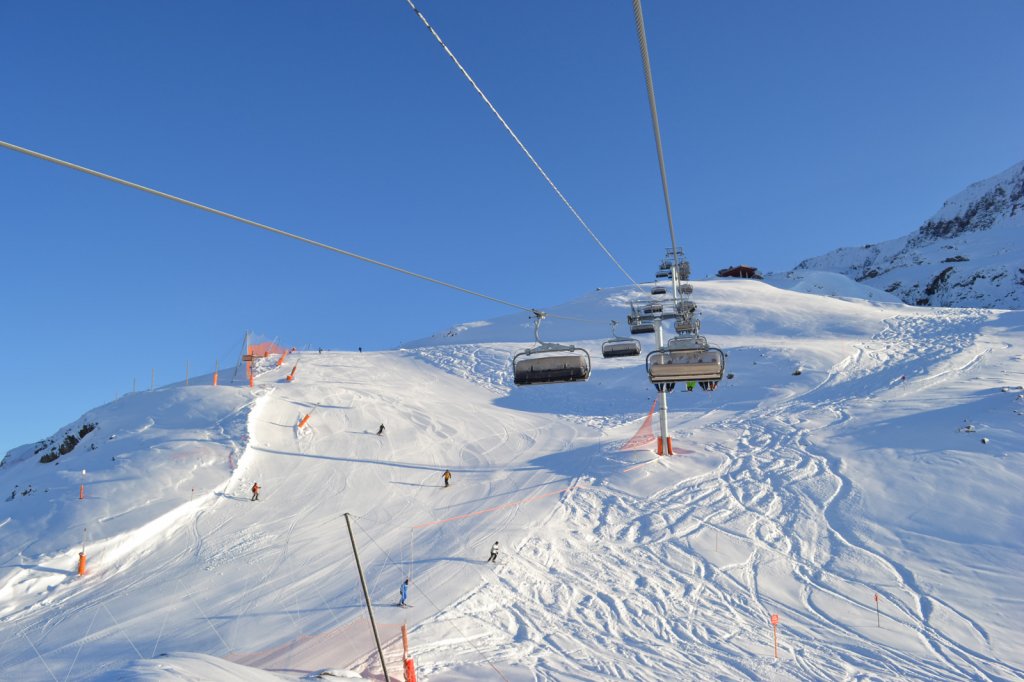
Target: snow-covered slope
(969,254)
(834,465)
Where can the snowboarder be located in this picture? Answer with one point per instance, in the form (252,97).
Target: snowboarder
(494,553)
(447,476)
(255,492)
(404,591)
(380,430)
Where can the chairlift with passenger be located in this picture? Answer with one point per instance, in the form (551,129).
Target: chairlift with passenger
(549,363)
(679,363)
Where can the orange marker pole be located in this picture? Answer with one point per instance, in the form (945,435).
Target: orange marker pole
(216,371)
(878,615)
(775,632)
(408,665)
(81,556)
(304,420)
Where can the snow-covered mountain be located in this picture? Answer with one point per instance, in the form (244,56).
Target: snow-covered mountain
(969,254)
(859,448)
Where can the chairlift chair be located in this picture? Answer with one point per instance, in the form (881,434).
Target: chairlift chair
(687,325)
(619,347)
(638,324)
(549,363)
(657,291)
(641,327)
(663,274)
(668,365)
(686,307)
(686,288)
(651,308)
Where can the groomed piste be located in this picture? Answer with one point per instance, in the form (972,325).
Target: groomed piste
(798,493)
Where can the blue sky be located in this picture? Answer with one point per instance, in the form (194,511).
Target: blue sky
(790,128)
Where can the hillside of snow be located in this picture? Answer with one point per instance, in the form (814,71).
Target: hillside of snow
(860,448)
(969,254)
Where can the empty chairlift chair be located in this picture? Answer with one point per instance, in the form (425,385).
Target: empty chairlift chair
(639,326)
(658,291)
(549,363)
(619,347)
(687,325)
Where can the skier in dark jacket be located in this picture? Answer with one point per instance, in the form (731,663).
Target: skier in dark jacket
(494,553)
(255,492)
(404,591)
(380,430)
(447,476)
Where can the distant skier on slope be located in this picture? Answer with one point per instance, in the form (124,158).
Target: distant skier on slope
(404,592)
(255,492)
(447,476)
(380,430)
(494,553)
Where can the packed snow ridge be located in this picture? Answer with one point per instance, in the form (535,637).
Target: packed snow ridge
(858,448)
(969,254)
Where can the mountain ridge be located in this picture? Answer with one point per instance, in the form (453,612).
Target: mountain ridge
(970,253)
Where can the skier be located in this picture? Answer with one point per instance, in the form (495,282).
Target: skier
(690,385)
(255,492)
(380,430)
(404,591)
(494,553)
(360,349)
(447,476)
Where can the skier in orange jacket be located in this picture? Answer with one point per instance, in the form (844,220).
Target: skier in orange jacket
(255,492)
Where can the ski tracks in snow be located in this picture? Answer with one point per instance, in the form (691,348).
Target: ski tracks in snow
(702,565)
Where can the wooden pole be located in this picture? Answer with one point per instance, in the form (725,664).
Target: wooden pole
(366,595)
(878,615)
(775,632)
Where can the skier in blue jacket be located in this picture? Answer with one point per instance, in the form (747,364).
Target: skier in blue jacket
(405,592)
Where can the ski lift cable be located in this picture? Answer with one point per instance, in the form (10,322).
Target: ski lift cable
(641,34)
(268,228)
(522,146)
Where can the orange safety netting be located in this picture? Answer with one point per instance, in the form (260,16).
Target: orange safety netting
(645,435)
(266,349)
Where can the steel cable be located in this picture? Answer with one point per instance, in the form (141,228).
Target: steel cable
(521,145)
(641,34)
(268,228)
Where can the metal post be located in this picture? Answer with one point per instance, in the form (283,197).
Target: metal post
(663,442)
(366,595)
(245,343)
